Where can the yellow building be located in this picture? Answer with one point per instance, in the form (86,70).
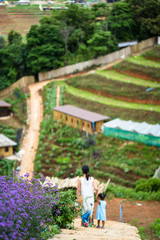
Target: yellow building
(77,117)
(6,146)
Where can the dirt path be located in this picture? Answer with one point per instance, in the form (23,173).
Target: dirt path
(113,231)
(140,213)
(58,95)
(31,141)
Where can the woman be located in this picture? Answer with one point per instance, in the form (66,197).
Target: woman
(86,186)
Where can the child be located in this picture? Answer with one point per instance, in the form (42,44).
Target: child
(101,210)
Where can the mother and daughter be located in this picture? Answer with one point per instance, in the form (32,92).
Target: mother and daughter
(85,188)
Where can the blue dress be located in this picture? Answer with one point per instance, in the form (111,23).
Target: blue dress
(101,211)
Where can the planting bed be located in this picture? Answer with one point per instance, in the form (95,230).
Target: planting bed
(136,70)
(144,61)
(113,112)
(153,54)
(115,89)
(19,20)
(116,76)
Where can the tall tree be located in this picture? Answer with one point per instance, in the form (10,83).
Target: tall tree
(45,48)
(122,22)
(146,16)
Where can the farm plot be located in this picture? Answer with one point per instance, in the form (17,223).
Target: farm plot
(113,75)
(153,54)
(137,70)
(113,111)
(110,101)
(115,89)
(19,18)
(63,150)
(143,61)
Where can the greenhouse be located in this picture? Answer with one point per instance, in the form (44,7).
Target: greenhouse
(133,131)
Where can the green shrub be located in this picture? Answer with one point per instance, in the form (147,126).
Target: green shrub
(149,185)
(68,210)
(6,166)
(79,143)
(155,226)
(63,160)
(78,172)
(47,161)
(130,193)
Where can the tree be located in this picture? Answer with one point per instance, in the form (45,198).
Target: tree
(101,43)
(122,22)
(146,16)
(45,48)
(14,37)
(2,42)
(100,10)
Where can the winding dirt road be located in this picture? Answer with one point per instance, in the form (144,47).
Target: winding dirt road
(35,118)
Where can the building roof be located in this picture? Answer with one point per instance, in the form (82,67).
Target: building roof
(81,113)
(141,128)
(4,104)
(6,142)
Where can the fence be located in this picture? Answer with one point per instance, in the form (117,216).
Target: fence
(22,82)
(109,58)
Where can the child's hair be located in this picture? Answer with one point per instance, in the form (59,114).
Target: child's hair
(102,196)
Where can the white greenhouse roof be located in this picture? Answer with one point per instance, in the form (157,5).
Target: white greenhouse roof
(141,128)
(6,142)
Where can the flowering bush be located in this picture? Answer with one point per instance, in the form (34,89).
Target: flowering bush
(66,208)
(25,208)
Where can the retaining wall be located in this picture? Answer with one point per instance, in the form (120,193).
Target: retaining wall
(83,65)
(143,45)
(22,82)
(109,58)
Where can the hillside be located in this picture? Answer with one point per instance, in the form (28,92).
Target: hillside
(63,150)
(118,159)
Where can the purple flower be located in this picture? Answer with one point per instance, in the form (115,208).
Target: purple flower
(24,204)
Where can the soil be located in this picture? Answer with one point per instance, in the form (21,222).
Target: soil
(153,58)
(137,213)
(20,23)
(136,74)
(112,231)
(145,214)
(123,98)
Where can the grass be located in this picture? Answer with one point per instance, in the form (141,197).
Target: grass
(110,101)
(115,89)
(141,71)
(24,9)
(153,53)
(113,111)
(113,75)
(143,61)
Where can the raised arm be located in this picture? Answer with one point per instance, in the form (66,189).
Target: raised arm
(78,188)
(95,188)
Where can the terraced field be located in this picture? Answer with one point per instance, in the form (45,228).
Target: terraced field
(118,87)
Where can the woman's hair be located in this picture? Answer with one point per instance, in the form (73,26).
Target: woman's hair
(102,196)
(85,170)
